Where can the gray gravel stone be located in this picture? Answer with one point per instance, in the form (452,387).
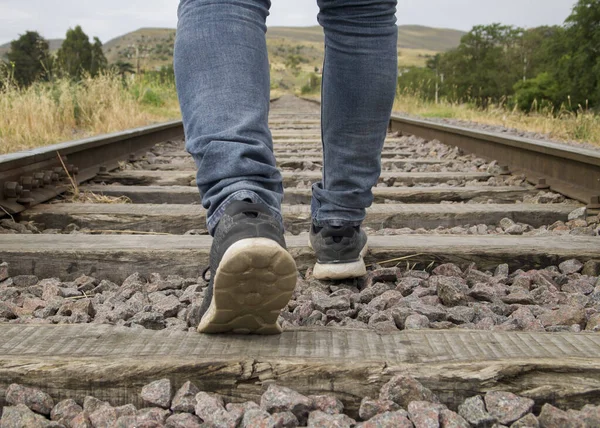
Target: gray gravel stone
(151,416)
(563,315)
(507,407)
(397,419)
(570,266)
(327,403)
(593,323)
(36,400)
(185,398)
(461,314)
(167,306)
(424,414)
(281,399)
(433,313)
(416,322)
(450,419)
(85,283)
(502,271)
(449,293)
(81,421)
(380,275)
(3,271)
(590,415)
(20,416)
(149,320)
(591,268)
(65,411)
(255,418)
(483,292)
(578,286)
(552,417)
(91,404)
(579,213)
(319,419)
(403,389)
(126,410)
(448,269)
(183,420)
(406,286)
(323,302)
(383,322)
(210,409)
(82,310)
(474,412)
(7,311)
(157,393)
(518,296)
(527,421)
(369,293)
(386,300)
(369,407)
(104,416)
(24,281)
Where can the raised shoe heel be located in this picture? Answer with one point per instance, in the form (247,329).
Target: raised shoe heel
(253,283)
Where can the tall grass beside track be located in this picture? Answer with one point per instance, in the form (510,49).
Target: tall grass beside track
(565,125)
(61,110)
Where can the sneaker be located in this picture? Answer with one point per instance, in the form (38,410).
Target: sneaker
(339,251)
(252,274)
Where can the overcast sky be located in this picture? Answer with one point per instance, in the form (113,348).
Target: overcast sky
(111,18)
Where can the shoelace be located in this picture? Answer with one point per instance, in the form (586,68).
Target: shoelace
(204,274)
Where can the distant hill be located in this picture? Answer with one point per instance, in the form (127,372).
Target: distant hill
(155,45)
(409,36)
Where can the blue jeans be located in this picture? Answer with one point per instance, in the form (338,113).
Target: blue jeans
(223,82)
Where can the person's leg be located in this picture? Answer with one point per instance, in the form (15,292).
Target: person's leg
(359,84)
(222,73)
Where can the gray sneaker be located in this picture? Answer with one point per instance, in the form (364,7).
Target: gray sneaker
(340,251)
(252,274)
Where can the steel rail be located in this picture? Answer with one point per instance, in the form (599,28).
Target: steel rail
(31,177)
(571,171)
(34,176)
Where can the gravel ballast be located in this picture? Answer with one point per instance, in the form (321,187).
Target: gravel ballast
(402,402)
(564,298)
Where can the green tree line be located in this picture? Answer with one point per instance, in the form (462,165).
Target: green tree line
(550,66)
(30,60)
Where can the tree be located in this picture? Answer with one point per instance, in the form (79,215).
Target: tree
(486,64)
(98,61)
(538,92)
(580,65)
(122,68)
(77,55)
(30,58)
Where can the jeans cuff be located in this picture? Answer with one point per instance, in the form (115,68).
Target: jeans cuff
(213,220)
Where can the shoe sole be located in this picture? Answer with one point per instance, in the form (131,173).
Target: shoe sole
(253,283)
(338,271)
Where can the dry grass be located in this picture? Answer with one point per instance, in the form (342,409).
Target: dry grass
(47,113)
(567,126)
(87,197)
(75,195)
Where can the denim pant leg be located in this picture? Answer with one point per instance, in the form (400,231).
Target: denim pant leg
(359,84)
(223,83)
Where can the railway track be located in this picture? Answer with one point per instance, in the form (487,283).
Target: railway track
(482,277)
